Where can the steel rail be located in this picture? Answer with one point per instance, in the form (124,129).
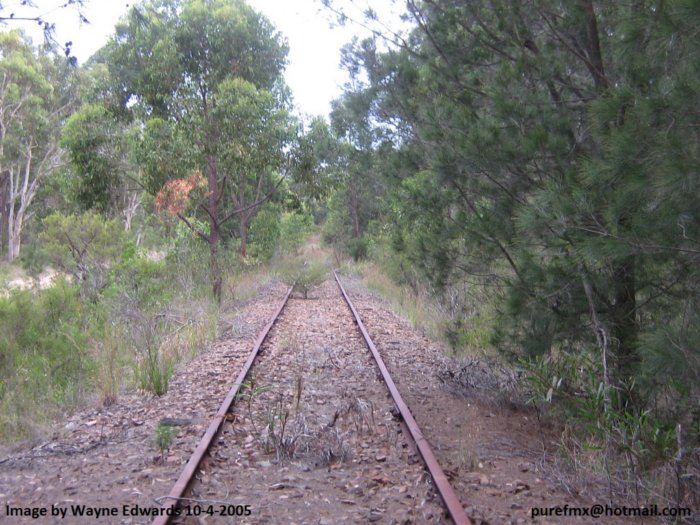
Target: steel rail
(447,493)
(176,493)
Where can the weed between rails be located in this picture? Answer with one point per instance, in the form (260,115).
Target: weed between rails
(281,428)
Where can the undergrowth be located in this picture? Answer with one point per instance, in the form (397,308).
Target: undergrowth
(59,351)
(460,318)
(646,455)
(641,455)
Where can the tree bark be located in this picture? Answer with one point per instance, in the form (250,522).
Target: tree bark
(602,335)
(214,264)
(354,212)
(243,232)
(623,319)
(214,232)
(595,56)
(4,211)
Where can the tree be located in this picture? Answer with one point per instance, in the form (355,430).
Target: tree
(359,138)
(34,101)
(314,161)
(104,176)
(84,246)
(535,141)
(179,64)
(256,131)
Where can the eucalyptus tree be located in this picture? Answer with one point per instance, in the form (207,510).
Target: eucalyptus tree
(359,139)
(104,177)
(34,102)
(205,77)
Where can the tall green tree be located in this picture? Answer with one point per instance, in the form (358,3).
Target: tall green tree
(359,139)
(35,98)
(543,152)
(200,72)
(105,178)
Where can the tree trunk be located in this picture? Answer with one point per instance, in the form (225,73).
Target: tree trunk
(354,212)
(243,232)
(131,206)
(4,211)
(15,239)
(594,61)
(602,336)
(11,233)
(623,320)
(214,233)
(214,264)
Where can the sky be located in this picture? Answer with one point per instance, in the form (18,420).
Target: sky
(313,72)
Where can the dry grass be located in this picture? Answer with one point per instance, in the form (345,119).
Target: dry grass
(244,286)
(415,306)
(355,412)
(462,318)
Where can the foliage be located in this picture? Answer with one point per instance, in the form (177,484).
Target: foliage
(546,152)
(570,385)
(357,248)
(265,233)
(174,197)
(83,246)
(233,127)
(42,342)
(93,141)
(295,229)
(310,276)
(34,258)
(153,370)
(303,275)
(314,162)
(165,434)
(336,229)
(35,97)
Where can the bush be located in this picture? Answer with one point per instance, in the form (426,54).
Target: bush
(34,259)
(303,275)
(149,284)
(357,248)
(264,234)
(188,256)
(84,246)
(44,362)
(294,230)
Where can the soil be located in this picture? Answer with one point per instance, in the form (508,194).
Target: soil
(342,457)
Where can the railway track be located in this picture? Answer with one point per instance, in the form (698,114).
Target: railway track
(313,430)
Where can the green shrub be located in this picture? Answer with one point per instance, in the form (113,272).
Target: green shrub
(44,361)
(294,229)
(147,283)
(84,246)
(188,260)
(264,234)
(303,275)
(34,258)
(164,437)
(336,230)
(357,248)
(153,372)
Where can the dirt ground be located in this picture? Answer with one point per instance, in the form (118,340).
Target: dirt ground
(364,472)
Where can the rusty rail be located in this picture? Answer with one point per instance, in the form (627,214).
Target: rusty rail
(192,465)
(442,484)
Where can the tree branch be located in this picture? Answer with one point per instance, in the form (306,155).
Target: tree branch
(254,205)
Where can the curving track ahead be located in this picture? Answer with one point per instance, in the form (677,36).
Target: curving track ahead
(410,428)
